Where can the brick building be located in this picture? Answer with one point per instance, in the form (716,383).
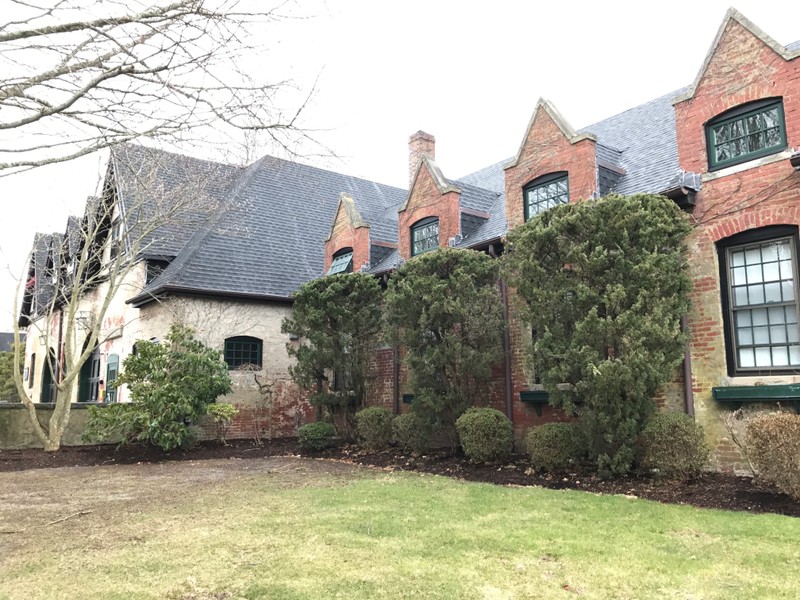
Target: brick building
(724,149)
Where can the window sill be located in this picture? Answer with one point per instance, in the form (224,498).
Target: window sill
(745,166)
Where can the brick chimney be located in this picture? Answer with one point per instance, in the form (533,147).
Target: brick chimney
(420,144)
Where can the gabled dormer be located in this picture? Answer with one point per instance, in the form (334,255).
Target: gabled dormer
(347,245)
(554,165)
(438,212)
(734,116)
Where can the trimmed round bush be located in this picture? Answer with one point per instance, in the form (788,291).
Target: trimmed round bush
(486,435)
(374,427)
(316,436)
(773,447)
(673,446)
(410,432)
(555,447)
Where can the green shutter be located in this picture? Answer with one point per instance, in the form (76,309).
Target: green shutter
(112,370)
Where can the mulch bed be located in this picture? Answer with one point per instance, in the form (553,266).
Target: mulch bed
(711,490)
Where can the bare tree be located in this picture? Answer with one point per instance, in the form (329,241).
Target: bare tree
(149,199)
(103,72)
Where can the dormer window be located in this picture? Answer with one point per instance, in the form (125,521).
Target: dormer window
(342,262)
(545,192)
(424,235)
(746,132)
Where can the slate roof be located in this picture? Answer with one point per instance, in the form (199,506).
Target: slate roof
(180,192)
(646,140)
(267,238)
(7,340)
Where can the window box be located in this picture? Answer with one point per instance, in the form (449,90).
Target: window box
(536,398)
(739,394)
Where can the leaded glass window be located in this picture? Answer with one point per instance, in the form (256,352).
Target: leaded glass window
(545,193)
(747,132)
(243,352)
(342,263)
(763,305)
(424,236)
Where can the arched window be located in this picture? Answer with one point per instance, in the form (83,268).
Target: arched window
(746,132)
(244,352)
(342,262)
(545,192)
(424,235)
(758,282)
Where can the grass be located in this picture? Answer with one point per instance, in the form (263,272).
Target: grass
(283,533)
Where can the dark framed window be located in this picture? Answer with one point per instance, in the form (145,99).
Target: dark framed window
(758,276)
(424,235)
(545,192)
(32,370)
(112,372)
(154,268)
(243,351)
(116,237)
(342,262)
(746,132)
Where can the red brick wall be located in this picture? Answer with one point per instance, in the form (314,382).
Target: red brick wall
(547,150)
(344,235)
(426,200)
(734,199)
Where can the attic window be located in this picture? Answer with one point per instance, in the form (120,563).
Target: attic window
(342,262)
(746,132)
(424,236)
(545,192)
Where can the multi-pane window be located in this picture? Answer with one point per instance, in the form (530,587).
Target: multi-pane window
(762,305)
(342,262)
(243,351)
(424,236)
(545,192)
(746,132)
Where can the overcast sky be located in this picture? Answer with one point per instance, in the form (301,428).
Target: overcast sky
(469,73)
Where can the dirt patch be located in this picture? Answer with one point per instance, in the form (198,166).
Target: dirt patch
(711,490)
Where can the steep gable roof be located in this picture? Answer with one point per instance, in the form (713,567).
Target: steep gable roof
(789,52)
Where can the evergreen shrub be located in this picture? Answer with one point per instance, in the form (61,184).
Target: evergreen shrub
(486,435)
(411,432)
(555,447)
(374,427)
(316,437)
(673,446)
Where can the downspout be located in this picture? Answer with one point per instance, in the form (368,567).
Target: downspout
(506,343)
(688,388)
(396,380)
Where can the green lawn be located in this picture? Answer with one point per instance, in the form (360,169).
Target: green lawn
(292,528)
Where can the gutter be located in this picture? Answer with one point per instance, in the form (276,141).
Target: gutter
(145,298)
